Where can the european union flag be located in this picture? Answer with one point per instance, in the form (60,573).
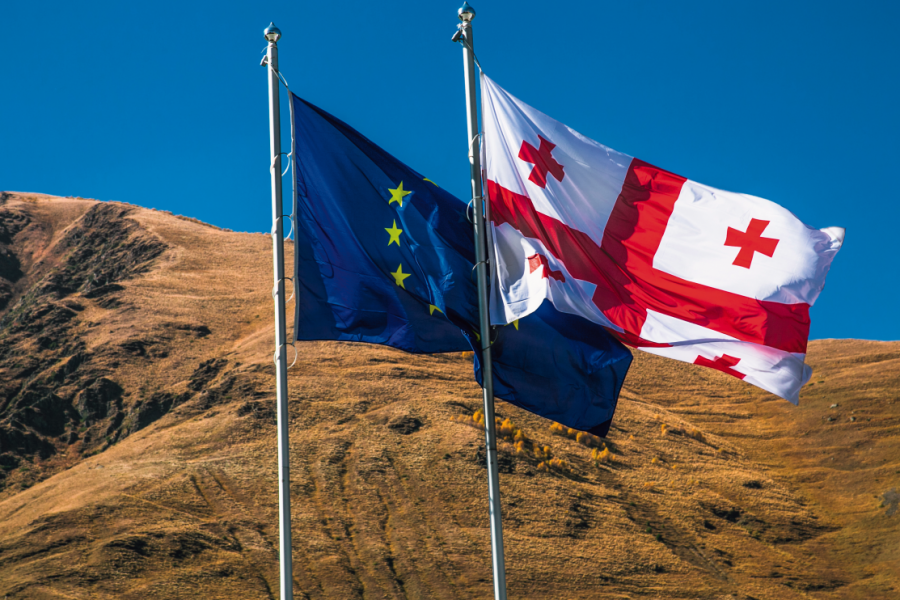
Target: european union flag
(385,256)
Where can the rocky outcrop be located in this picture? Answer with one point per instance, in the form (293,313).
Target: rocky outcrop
(53,393)
(11,223)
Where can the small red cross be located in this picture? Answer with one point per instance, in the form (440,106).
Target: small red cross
(750,241)
(543,162)
(721,363)
(538,261)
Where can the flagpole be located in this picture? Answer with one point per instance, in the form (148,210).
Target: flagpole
(466,14)
(272,35)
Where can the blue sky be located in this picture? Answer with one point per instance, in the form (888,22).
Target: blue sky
(164,104)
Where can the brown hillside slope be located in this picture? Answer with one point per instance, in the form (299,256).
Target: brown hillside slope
(137,447)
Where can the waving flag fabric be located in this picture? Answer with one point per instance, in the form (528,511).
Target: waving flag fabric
(385,256)
(673,267)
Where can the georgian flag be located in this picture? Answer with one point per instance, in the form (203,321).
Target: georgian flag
(671,266)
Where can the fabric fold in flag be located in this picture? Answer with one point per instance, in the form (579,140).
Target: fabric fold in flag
(669,265)
(385,256)
(557,365)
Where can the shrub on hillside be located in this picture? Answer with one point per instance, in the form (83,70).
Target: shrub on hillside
(558,463)
(522,445)
(542,452)
(506,431)
(554,464)
(582,437)
(602,455)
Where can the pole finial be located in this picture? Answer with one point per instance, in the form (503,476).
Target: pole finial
(273,34)
(466,13)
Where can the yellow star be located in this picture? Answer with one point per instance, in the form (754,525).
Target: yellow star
(516,323)
(398,194)
(432,308)
(399,276)
(394,233)
(430,181)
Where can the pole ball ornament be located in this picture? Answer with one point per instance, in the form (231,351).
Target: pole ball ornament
(466,13)
(273,34)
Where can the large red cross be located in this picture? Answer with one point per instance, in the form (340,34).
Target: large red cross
(539,261)
(621,266)
(721,363)
(750,241)
(543,162)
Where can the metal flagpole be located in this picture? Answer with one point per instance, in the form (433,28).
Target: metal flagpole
(272,35)
(466,14)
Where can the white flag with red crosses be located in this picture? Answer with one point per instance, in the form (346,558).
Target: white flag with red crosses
(670,266)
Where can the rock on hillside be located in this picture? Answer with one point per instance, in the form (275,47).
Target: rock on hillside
(72,339)
(138,460)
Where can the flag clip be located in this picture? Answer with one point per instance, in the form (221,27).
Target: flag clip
(275,289)
(296,354)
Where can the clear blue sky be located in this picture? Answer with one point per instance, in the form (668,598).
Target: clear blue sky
(163,104)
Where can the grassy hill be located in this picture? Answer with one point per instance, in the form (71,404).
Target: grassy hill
(137,448)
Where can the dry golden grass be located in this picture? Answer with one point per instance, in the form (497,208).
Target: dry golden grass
(748,497)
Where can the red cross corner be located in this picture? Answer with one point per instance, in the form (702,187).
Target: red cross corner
(750,241)
(721,363)
(543,162)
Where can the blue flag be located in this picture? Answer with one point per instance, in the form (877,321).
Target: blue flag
(385,256)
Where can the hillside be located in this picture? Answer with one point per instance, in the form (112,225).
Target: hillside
(137,448)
